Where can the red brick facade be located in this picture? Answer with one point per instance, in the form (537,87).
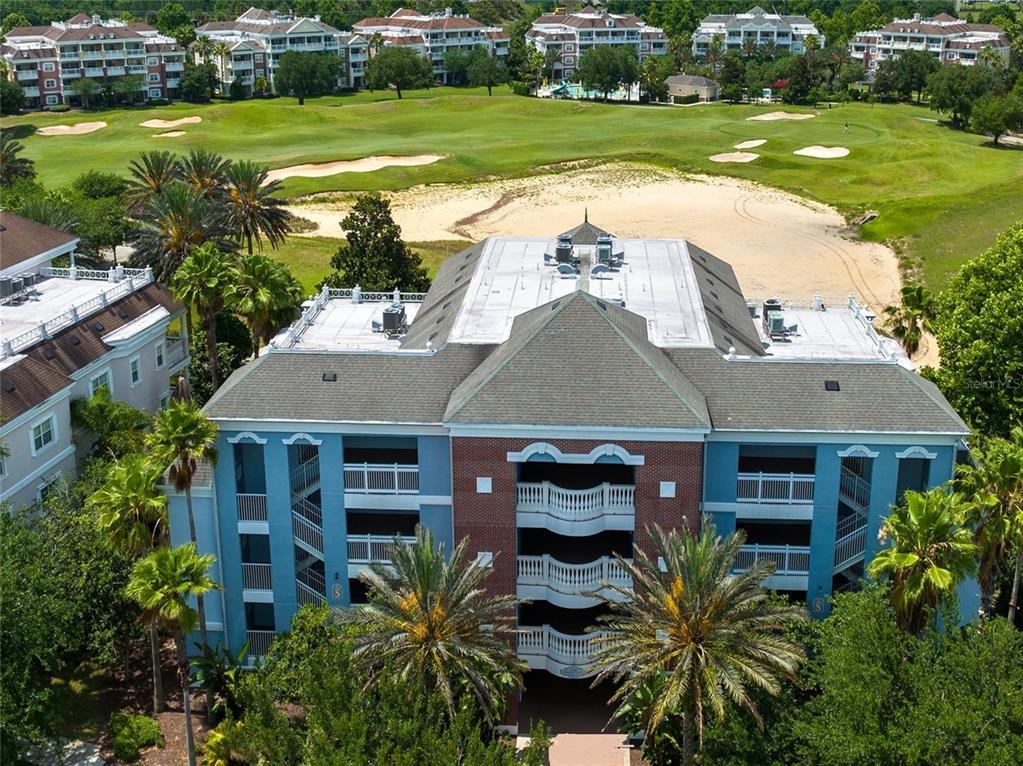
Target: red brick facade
(488,520)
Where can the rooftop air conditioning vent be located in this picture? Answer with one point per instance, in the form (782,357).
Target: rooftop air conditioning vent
(48,352)
(98,327)
(121,312)
(832,385)
(8,387)
(330,377)
(75,340)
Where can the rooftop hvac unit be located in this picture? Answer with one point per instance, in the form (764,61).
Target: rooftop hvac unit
(17,285)
(394,320)
(770,305)
(776,323)
(28,280)
(604,254)
(751,307)
(563,249)
(6,289)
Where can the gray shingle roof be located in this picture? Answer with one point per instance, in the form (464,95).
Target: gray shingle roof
(579,361)
(437,315)
(585,233)
(730,323)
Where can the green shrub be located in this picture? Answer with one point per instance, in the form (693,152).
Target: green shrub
(58,108)
(520,88)
(132,733)
(692,98)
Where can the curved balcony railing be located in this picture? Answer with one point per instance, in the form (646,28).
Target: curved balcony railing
(571,579)
(576,504)
(787,559)
(563,654)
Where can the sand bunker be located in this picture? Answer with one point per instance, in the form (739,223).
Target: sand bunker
(365,165)
(170,123)
(170,134)
(823,152)
(78,129)
(733,157)
(772,116)
(750,144)
(777,242)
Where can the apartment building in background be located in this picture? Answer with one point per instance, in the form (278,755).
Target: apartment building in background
(949,40)
(46,60)
(550,399)
(783,33)
(65,332)
(433,35)
(257,39)
(564,37)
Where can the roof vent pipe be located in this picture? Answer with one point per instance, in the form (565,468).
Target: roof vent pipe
(397,297)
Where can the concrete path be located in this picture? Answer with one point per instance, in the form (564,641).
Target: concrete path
(588,750)
(64,752)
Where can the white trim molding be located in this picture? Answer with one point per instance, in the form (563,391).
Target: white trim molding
(245,436)
(858,450)
(304,437)
(603,450)
(916,452)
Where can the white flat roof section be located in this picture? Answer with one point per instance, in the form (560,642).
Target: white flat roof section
(836,333)
(656,281)
(54,296)
(345,325)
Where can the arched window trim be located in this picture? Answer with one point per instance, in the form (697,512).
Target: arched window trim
(603,450)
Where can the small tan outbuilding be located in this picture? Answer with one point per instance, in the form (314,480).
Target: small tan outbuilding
(682,88)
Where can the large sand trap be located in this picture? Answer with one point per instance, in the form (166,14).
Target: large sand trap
(365,165)
(823,152)
(78,129)
(733,157)
(750,144)
(170,134)
(772,116)
(777,242)
(170,123)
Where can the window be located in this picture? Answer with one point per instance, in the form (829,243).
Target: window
(51,100)
(159,355)
(152,61)
(48,66)
(259,57)
(164,401)
(43,435)
(136,371)
(154,77)
(49,83)
(154,93)
(100,381)
(3,467)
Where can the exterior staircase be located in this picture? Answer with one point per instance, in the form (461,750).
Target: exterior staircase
(851,532)
(307,527)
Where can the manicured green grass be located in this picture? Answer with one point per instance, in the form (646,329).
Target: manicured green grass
(942,195)
(309,257)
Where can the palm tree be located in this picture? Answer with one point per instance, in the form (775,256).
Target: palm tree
(206,280)
(134,511)
(184,437)
(429,620)
(151,174)
(162,584)
(267,296)
(715,52)
(749,48)
(376,43)
(221,50)
(694,633)
(252,209)
(838,55)
(910,320)
(201,48)
(931,553)
(204,172)
(994,486)
(174,223)
(13,167)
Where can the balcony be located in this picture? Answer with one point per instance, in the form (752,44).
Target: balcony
(259,641)
(31,91)
(366,549)
(791,564)
(175,66)
(251,507)
(544,578)
(576,511)
(256,577)
(136,70)
(782,488)
(94,72)
(173,82)
(28,74)
(70,74)
(175,350)
(116,71)
(565,655)
(92,54)
(381,479)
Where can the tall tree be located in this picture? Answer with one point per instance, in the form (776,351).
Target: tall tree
(930,554)
(605,68)
(696,633)
(12,97)
(911,319)
(485,70)
(162,584)
(133,511)
(204,172)
(206,281)
(997,115)
(13,167)
(267,296)
(85,88)
(429,620)
(253,210)
(400,67)
(184,437)
(303,74)
(374,255)
(955,88)
(653,76)
(149,175)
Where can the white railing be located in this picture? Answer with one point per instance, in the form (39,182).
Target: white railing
(307,524)
(256,577)
(175,350)
(571,579)
(312,579)
(850,524)
(854,489)
(850,547)
(381,478)
(564,649)
(306,595)
(305,475)
(575,504)
(115,71)
(259,641)
(760,487)
(126,281)
(251,507)
(365,549)
(787,559)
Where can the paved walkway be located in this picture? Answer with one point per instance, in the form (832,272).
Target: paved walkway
(63,752)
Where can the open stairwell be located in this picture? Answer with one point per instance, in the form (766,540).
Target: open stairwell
(851,532)
(307,527)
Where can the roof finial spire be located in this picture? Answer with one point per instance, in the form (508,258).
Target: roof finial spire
(586,215)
